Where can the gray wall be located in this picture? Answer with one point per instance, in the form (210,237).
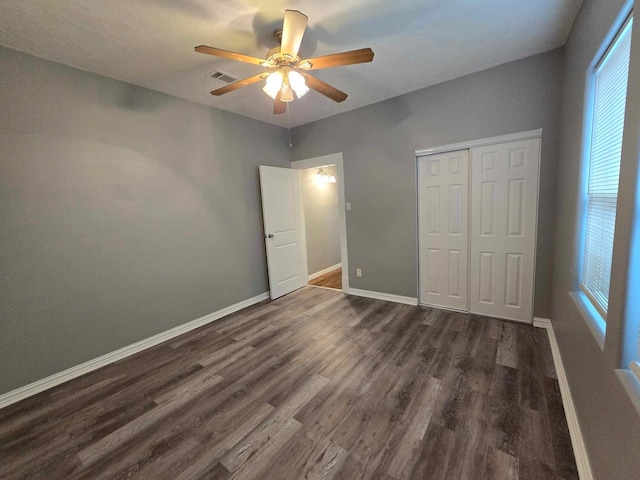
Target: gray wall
(379,143)
(610,424)
(124,212)
(322,227)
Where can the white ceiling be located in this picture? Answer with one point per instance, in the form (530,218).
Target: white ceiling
(417,43)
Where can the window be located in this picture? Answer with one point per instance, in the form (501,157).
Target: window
(611,76)
(631,339)
(631,349)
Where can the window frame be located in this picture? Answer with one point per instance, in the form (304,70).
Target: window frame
(631,327)
(589,307)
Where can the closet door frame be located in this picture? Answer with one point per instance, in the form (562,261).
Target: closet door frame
(468,145)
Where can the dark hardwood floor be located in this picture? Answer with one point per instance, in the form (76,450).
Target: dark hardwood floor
(313,385)
(332,279)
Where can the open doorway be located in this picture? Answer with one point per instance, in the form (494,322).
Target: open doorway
(323,206)
(319,191)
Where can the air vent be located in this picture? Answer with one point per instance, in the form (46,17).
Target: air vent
(225,77)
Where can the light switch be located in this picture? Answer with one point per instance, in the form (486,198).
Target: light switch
(348,206)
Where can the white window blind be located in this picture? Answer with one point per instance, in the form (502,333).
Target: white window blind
(635,366)
(611,75)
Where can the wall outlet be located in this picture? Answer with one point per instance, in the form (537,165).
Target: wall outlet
(348,206)
(358,272)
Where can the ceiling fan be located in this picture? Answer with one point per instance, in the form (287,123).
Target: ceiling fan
(288,72)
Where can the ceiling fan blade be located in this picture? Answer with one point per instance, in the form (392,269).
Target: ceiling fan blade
(363,55)
(217,52)
(239,84)
(293,29)
(325,89)
(279,106)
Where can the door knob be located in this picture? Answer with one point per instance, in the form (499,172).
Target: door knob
(270,235)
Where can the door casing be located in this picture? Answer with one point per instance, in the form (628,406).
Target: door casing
(337,160)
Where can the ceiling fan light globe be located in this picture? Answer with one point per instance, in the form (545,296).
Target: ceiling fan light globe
(295,79)
(286,94)
(275,80)
(301,91)
(272,93)
(273,84)
(297,83)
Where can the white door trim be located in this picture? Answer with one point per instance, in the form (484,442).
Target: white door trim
(482,142)
(337,160)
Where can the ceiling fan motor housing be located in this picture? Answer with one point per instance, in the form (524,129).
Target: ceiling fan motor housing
(272,52)
(278,36)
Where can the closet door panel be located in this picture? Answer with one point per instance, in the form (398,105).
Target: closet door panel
(504,204)
(443,219)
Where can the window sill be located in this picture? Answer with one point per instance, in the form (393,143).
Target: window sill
(591,316)
(632,385)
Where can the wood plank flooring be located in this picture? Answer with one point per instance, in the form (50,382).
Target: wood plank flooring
(332,279)
(313,385)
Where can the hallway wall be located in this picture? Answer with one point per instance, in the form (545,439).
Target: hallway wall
(320,203)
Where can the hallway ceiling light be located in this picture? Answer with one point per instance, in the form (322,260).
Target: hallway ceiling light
(324,177)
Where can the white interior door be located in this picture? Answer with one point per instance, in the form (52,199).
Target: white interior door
(504,204)
(443,210)
(283,227)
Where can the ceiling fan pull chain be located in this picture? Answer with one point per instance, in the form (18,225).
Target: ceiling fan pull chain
(289,125)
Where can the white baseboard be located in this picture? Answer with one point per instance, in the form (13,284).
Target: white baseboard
(579,449)
(389,297)
(541,322)
(313,276)
(73,372)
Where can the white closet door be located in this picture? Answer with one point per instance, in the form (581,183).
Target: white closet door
(504,204)
(444,229)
